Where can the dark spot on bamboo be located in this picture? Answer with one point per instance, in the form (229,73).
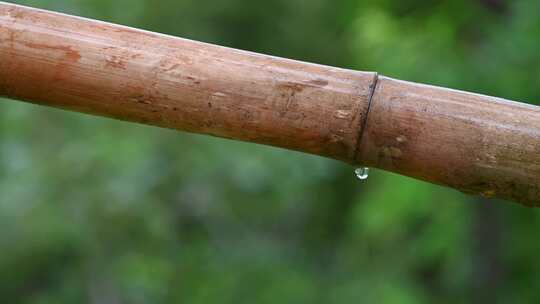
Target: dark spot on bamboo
(70,53)
(318,82)
(292,87)
(193,79)
(16,13)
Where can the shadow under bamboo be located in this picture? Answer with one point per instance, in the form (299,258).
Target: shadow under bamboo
(474,143)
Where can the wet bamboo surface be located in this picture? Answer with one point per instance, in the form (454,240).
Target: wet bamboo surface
(474,143)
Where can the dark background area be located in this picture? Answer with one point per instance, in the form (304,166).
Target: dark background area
(99,211)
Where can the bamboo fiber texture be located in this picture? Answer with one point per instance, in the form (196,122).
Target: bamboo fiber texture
(474,143)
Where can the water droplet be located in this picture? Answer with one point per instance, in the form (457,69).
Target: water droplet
(362,173)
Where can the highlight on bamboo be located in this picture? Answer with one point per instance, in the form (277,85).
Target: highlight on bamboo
(474,143)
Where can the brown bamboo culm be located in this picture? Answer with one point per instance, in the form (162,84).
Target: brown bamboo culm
(474,143)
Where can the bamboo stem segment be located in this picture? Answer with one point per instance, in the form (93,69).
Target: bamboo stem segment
(474,143)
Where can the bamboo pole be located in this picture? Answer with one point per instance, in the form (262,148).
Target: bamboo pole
(474,143)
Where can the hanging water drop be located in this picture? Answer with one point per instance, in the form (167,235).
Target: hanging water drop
(362,173)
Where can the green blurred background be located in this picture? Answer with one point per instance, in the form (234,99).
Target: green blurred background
(99,211)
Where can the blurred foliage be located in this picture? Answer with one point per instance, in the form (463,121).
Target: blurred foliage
(99,211)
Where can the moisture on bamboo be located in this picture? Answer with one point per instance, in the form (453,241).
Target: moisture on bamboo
(474,143)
